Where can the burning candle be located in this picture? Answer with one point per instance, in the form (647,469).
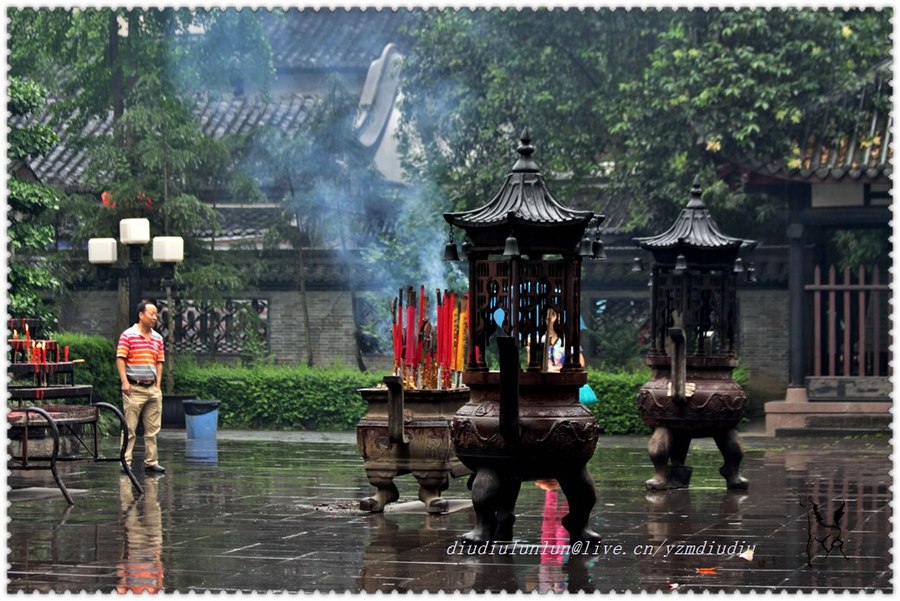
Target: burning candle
(15,335)
(27,334)
(66,354)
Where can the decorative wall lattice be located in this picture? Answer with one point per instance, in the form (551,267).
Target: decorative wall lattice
(229,331)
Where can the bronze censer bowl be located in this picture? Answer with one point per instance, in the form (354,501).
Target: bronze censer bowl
(519,427)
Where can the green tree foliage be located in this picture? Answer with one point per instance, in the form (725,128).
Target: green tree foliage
(475,79)
(31,207)
(135,70)
(641,100)
(733,84)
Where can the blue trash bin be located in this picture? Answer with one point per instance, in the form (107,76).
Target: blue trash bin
(201,418)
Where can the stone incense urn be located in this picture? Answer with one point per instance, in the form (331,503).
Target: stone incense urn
(693,323)
(524,251)
(408,432)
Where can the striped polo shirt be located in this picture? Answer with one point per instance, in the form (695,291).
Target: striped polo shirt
(141,355)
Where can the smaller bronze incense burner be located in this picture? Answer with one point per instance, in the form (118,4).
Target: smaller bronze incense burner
(524,251)
(692,355)
(407,427)
(408,432)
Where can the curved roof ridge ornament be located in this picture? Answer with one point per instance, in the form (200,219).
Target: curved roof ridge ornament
(525,164)
(696,201)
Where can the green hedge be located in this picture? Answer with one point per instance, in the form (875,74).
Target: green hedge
(276,398)
(300,398)
(99,367)
(616,408)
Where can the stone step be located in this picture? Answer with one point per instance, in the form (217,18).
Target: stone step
(827,432)
(844,422)
(839,425)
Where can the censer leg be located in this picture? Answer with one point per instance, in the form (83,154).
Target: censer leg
(730,446)
(486,488)
(658,449)
(679,475)
(581,495)
(431,485)
(506,509)
(387,491)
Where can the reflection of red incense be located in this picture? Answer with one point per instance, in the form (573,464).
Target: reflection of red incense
(552,531)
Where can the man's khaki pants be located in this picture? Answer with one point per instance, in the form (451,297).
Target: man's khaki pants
(149,401)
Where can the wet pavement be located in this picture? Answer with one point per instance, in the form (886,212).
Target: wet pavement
(267,511)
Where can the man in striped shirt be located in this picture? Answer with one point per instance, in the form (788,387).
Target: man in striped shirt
(139,358)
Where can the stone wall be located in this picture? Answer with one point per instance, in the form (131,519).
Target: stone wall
(330,322)
(330,316)
(763,317)
(92,312)
(763,345)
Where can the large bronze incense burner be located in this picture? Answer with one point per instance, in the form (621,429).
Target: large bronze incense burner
(524,252)
(692,355)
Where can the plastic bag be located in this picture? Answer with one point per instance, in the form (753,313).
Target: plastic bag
(586,395)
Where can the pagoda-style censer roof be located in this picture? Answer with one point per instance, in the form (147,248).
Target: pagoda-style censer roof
(524,208)
(694,230)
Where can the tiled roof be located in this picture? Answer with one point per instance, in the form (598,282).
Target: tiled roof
(248,222)
(335,39)
(65,165)
(245,221)
(863,155)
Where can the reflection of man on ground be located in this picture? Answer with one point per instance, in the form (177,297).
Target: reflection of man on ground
(141,567)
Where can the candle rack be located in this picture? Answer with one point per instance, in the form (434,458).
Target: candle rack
(42,396)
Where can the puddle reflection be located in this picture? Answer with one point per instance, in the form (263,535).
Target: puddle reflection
(254,521)
(201,451)
(141,567)
(673,514)
(403,558)
(397,555)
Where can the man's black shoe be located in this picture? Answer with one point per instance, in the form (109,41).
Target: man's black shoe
(155,469)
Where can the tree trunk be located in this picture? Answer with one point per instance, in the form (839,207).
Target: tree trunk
(357,327)
(357,331)
(170,334)
(117,92)
(304,305)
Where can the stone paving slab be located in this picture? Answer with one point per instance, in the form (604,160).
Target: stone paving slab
(278,512)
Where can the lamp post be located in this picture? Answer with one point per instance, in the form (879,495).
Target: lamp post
(135,233)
